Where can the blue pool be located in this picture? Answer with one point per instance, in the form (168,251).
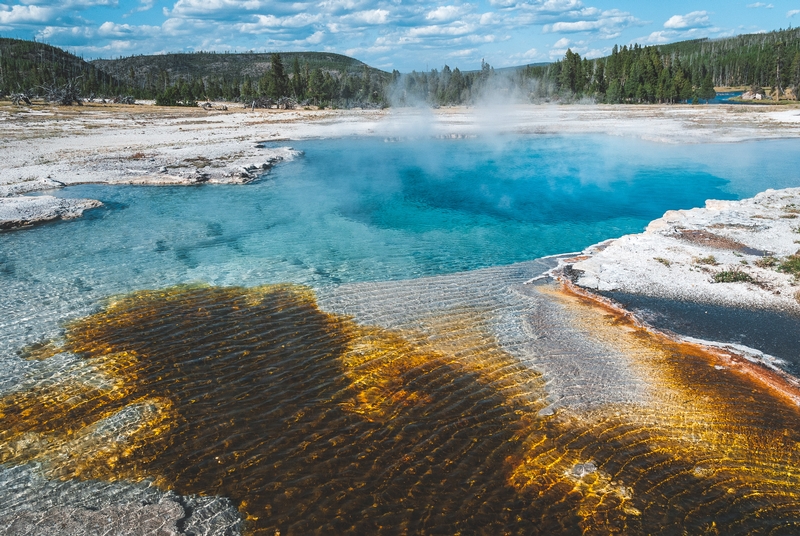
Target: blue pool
(364,209)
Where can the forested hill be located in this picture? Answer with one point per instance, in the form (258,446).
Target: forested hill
(27,66)
(223,72)
(681,71)
(744,60)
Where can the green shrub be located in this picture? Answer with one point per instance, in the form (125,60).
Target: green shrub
(766,262)
(710,260)
(791,265)
(732,276)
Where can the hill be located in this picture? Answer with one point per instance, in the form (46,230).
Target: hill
(29,65)
(744,60)
(220,71)
(228,65)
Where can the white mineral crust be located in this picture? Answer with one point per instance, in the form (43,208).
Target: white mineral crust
(661,262)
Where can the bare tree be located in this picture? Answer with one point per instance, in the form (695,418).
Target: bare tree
(65,94)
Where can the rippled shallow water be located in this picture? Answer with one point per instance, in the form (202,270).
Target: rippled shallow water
(422,411)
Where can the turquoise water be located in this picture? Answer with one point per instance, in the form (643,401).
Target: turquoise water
(367,209)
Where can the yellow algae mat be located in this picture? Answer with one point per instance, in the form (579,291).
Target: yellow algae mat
(313,423)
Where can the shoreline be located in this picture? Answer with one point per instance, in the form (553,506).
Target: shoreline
(151,145)
(779,382)
(730,253)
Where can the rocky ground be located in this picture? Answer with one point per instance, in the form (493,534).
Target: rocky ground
(35,506)
(23,211)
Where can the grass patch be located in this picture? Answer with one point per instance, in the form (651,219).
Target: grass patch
(791,265)
(767,262)
(662,260)
(710,260)
(792,209)
(732,276)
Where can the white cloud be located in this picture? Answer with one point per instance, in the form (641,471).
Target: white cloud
(146,5)
(465,53)
(695,19)
(792,13)
(315,38)
(370,17)
(74,35)
(335,6)
(25,14)
(760,4)
(447,13)
(112,29)
(488,18)
(669,36)
(70,4)
(268,22)
(658,37)
(608,24)
(225,8)
(558,6)
(503,3)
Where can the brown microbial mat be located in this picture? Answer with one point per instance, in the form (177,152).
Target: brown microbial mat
(313,424)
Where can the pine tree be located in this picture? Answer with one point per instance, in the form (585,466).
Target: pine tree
(278,82)
(707,91)
(298,84)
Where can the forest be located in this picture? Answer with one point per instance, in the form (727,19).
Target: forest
(681,72)
(30,67)
(300,84)
(687,71)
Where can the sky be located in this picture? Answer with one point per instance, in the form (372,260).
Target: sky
(388,34)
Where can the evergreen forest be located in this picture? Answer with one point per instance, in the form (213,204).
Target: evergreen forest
(687,71)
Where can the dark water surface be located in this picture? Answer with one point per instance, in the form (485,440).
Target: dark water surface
(774,333)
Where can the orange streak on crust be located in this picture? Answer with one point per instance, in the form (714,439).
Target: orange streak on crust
(779,383)
(579,258)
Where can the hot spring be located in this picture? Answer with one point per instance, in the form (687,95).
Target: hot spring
(349,345)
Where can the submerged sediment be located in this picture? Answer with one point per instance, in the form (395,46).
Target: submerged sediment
(429,405)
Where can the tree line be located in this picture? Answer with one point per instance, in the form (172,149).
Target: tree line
(636,75)
(680,72)
(303,85)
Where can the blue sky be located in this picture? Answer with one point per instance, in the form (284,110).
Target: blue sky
(401,34)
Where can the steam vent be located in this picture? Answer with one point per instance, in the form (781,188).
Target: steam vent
(481,405)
